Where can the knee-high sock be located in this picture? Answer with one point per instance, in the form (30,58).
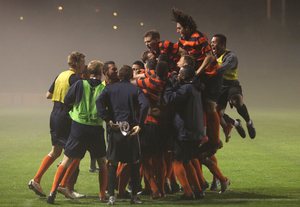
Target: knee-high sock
(192,176)
(214,159)
(173,178)
(123,175)
(213,127)
(60,172)
(181,176)
(243,111)
(168,161)
(214,169)
(93,163)
(161,172)
(148,172)
(102,182)
(111,179)
(73,179)
(228,119)
(196,165)
(71,169)
(46,163)
(135,178)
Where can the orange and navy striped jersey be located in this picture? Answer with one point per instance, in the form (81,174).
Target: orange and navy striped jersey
(197,45)
(153,89)
(171,49)
(152,72)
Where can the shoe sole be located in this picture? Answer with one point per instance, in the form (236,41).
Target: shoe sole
(36,190)
(66,195)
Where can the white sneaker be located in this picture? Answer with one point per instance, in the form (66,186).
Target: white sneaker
(224,186)
(112,200)
(77,195)
(65,191)
(36,187)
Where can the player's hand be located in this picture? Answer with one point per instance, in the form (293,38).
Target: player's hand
(135,130)
(114,126)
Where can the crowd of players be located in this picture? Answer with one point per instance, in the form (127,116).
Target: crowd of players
(161,116)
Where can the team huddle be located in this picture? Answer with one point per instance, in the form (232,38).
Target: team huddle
(161,118)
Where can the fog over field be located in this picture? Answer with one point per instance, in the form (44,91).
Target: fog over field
(36,37)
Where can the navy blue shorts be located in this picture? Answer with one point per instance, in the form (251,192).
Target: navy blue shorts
(185,150)
(213,86)
(229,89)
(154,139)
(209,149)
(85,138)
(60,129)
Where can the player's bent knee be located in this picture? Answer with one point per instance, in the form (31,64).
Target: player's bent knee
(102,163)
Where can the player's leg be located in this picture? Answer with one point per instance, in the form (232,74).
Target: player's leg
(102,177)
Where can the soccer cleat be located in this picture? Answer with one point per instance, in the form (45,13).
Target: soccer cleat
(76,194)
(94,170)
(190,197)
(205,185)
(251,129)
(214,185)
(240,129)
(102,200)
(155,195)
(199,195)
(224,186)
(112,200)
(36,187)
(227,131)
(124,196)
(51,198)
(135,200)
(175,188)
(66,192)
(167,187)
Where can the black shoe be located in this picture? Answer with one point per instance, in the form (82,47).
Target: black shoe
(124,196)
(190,197)
(146,192)
(103,200)
(240,129)
(251,130)
(204,186)
(175,188)
(135,200)
(199,195)
(51,198)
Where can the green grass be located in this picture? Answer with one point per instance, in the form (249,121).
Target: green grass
(264,171)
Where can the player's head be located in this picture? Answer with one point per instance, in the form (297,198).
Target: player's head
(151,40)
(85,74)
(186,74)
(185,23)
(218,44)
(150,65)
(186,60)
(125,73)
(146,55)
(95,69)
(161,70)
(110,70)
(76,61)
(137,66)
(164,57)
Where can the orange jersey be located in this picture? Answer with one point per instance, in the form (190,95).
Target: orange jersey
(197,45)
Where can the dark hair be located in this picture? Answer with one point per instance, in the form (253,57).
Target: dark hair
(162,69)
(189,60)
(105,66)
(144,56)
(151,64)
(164,57)
(125,72)
(153,34)
(223,39)
(183,19)
(139,63)
(189,72)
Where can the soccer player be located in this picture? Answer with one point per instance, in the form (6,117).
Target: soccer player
(87,132)
(117,105)
(231,89)
(110,71)
(155,134)
(157,47)
(185,96)
(60,122)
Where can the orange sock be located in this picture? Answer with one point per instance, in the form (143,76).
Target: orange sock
(60,172)
(168,161)
(102,182)
(124,175)
(214,169)
(192,176)
(64,182)
(47,162)
(147,186)
(148,172)
(196,165)
(213,127)
(181,176)
(161,172)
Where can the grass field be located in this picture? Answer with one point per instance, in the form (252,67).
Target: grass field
(263,172)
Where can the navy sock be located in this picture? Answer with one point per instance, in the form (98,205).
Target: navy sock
(111,179)
(244,113)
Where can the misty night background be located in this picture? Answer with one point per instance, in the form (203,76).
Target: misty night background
(34,50)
